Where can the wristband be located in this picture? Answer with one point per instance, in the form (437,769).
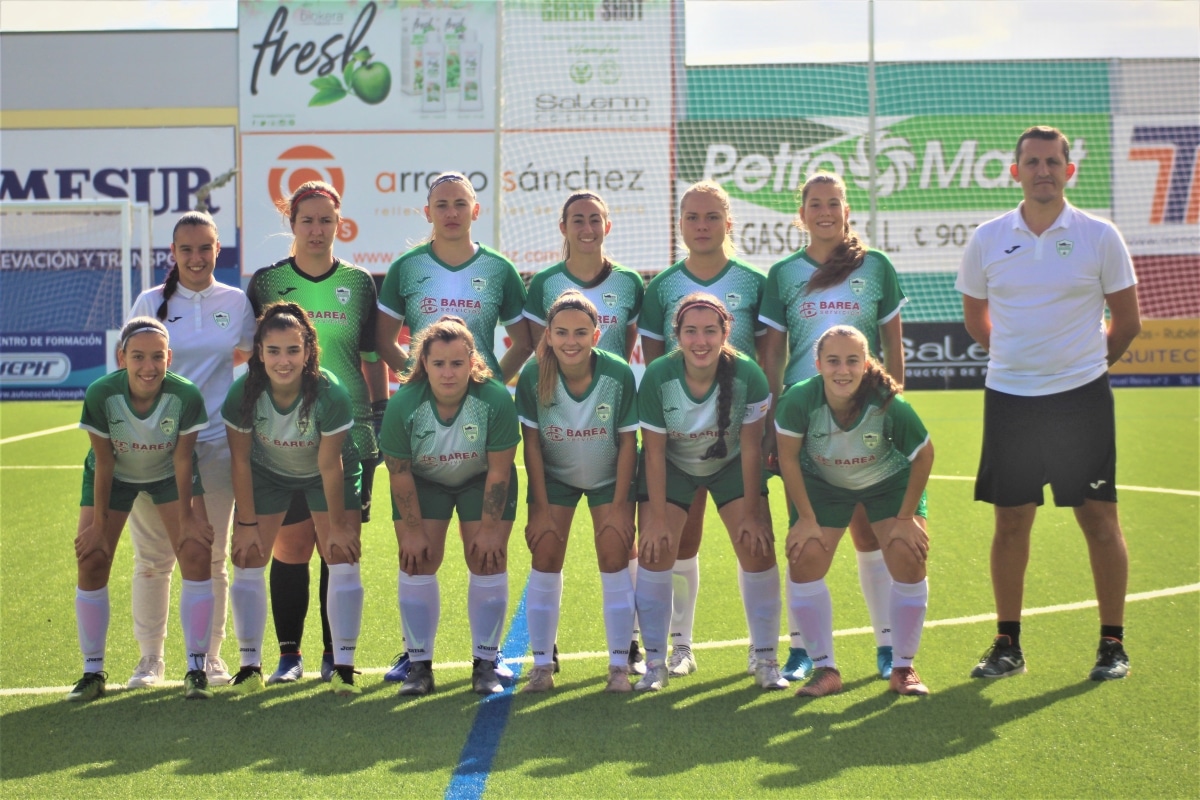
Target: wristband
(246,524)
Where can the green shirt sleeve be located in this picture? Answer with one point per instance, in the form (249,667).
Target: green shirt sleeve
(395,434)
(650,407)
(792,412)
(527,388)
(627,412)
(534,309)
(908,432)
(94,417)
(231,409)
(192,416)
(389,293)
(650,322)
(771,310)
(503,429)
(334,410)
(639,294)
(891,296)
(513,302)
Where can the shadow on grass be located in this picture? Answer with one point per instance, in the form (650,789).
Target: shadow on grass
(301,729)
(726,721)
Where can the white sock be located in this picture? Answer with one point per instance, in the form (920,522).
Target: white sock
(420,609)
(344,604)
(91,622)
(618,615)
(195,617)
(487,602)
(909,601)
(813,607)
(220,610)
(760,598)
(248,596)
(685,587)
(633,573)
(653,599)
(543,601)
(876,584)
(796,638)
(150,592)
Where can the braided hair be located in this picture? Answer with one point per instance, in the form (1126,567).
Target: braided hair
(282,316)
(726,366)
(876,382)
(192,219)
(448,328)
(586,194)
(850,252)
(570,300)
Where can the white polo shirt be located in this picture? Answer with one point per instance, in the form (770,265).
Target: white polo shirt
(205,327)
(1045,296)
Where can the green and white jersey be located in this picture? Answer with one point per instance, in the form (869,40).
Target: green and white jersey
(449,453)
(144,445)
(618,299)
(285,444)
(867,299)
(879,445)
(666,406)
(739,286)
(580,435)
(341,305)
(485,291)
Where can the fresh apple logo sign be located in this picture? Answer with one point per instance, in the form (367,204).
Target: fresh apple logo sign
(297,167)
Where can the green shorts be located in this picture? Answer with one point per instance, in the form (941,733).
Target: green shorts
(122,495)
(273,492)
(834,506)
(564,494)
(440,502)
(725,485)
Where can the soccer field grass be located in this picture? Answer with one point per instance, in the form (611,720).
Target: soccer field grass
(1050,733)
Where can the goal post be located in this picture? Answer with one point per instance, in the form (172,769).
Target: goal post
(69,272)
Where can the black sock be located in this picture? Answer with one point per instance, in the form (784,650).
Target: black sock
(289,603)
(1010,629)
(1112,632)
(325,632)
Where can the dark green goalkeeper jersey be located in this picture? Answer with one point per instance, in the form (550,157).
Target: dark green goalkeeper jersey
(341,305)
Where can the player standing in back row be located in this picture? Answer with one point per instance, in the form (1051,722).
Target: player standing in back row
(1035,283)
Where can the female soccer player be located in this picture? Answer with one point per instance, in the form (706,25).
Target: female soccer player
(702,409)
(705,224)
(848,439)
(835,280)
(449,439)
(340,301)
(212,331)
(578,410)
(288,422)
(615,291)
(142,422)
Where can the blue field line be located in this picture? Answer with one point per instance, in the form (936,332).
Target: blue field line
(475,761)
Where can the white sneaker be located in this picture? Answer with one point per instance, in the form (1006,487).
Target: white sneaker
(682,662)
(769,677)
(656,678)
(217,671)
(751,662)
(148,672)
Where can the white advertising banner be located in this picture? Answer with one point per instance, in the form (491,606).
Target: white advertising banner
(383,179)
(587,64)
(160,166)
(377,66)
(1157,180)
(628,170)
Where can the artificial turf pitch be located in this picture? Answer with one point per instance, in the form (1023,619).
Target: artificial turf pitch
(1050,733)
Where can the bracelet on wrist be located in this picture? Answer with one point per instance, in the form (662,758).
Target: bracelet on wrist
(246,524)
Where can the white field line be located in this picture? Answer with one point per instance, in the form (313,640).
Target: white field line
(36,434)
(937,623)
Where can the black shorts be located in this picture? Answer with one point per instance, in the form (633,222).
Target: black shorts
(1067,440)
(298,511)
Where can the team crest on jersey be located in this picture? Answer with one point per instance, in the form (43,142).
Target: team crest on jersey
(471,431)
(342,293)
(857,285)
(732,300)
(610,299)
(479,284)
(871,440)
(428,305)
(221,318)
(604,411)
(1064,247)
(167,426)
(302,425)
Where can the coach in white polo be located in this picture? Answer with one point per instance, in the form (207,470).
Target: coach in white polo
(1035,282)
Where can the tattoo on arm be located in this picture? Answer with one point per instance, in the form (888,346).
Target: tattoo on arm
(495,499)
(397,466)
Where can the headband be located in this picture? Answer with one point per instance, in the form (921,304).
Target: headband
(446,177)
(721,312)
(310,193)
(142,329)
